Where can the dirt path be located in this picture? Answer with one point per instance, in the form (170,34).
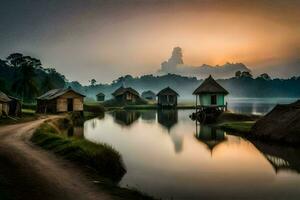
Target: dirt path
(28,172)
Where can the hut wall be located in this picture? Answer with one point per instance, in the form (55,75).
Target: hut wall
(48,106)
(62,105)
(205,99)
(15,107)
(78,104)
(1,105)
(62,102)
(5,108)
(167,100)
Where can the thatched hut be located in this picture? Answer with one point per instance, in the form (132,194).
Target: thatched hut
(126,95)
(149,95)
(15,106)
(100,96)
(4,104)
(167,97)
(281,124)
(210,94)
(60,100)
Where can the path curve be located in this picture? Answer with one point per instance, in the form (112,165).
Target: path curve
(33,173)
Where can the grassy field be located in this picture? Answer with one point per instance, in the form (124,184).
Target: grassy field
(237,127)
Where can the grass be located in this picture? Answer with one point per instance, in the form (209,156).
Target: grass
(102,162)
(27,115)
(238,127)
(93,107)
(100,157)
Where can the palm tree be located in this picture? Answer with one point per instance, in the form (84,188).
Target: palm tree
(25,83)
(47,83)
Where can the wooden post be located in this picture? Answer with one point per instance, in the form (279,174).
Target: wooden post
(196,103)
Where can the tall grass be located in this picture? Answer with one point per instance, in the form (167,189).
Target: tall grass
(102,158)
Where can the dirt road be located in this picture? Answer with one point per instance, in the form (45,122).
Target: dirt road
(28,172)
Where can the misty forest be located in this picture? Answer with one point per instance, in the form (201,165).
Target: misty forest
(26,78)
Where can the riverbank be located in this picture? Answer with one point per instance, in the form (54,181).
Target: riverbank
(99,161)
(236,123)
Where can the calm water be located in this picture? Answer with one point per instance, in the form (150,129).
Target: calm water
(258,106)
(171,157)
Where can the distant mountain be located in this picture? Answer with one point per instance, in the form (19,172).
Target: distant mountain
(175,65)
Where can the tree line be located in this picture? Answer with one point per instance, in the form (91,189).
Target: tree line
(25,77)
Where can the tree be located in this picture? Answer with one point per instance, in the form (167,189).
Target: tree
(246,74)
(25,84)
(93,82)
(238,74)
(15,59)
(47,84)
(264,76)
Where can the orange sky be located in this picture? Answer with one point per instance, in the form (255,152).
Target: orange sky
(113,38)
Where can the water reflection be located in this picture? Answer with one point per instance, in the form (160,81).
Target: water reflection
(257,106)
(126,118)
(280,157)
(167,118)
(72,128)
(165,158)
(148,115)
(209,136)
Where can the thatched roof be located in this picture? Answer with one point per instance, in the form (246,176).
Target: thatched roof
(52,94)
(148,93)
(4,97)
(100,94)
(210,86)
(121,90)
(167,91)
(281,124)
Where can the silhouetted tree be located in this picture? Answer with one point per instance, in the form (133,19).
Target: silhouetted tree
(246,74)
(264,76)
(25,85)
(238,74)
(93,82)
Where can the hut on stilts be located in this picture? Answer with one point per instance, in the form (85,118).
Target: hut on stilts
(210,100)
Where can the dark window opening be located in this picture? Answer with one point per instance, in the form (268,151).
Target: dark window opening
(213,99)
(70,104)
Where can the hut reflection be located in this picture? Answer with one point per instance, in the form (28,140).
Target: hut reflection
(280,157)
(72,128)
(148,115)
(167,118)
(209,136)
(126,118)
(177,139)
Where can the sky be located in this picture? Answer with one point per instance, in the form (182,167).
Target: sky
(105,39)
